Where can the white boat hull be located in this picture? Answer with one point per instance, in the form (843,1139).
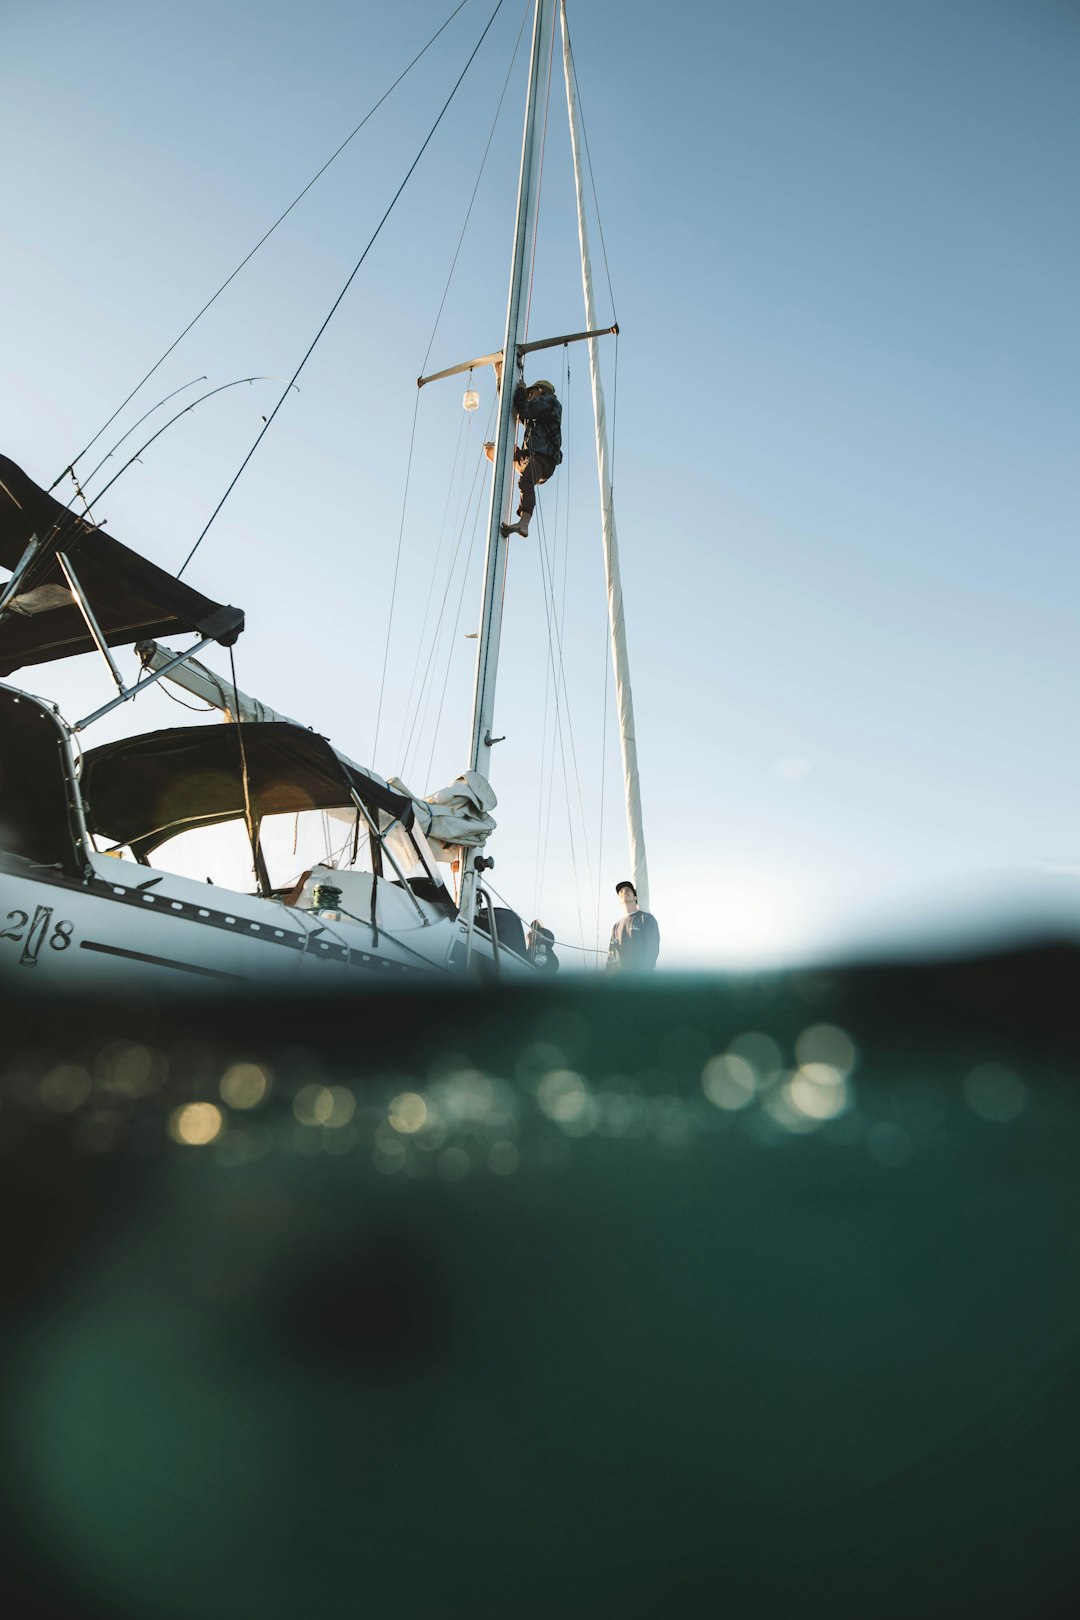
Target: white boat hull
(133,928)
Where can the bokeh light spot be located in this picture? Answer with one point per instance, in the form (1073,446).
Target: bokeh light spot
(244,1085)
(761,1052)
(782,1109)
(195,1124)
(408,1112)
(729,1081)
(128,1069)
(826,1043)
(563,1096)
(995,1092)
(467,1095)
(65,1088)
(818,1091)
(330,1106)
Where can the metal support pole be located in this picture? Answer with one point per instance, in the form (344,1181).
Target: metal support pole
(385,849)
(129,692)
(87,613)
(11,589)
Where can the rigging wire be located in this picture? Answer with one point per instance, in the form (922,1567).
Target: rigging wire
(423,368)
(541,861)
(476,187)
(333,308)
(603,781)
(454,631)
(592,180)
(614,416)
(71,522)
(461,518)
(196,708)
(419,720)
(614,424)
(552,644)
(457,464)
(544,733)
(281,218)
(556,617)
(352,276)
(397,569)
(540,799)
(563,944)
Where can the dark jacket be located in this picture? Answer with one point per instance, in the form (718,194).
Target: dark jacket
(543,423)
(635,943)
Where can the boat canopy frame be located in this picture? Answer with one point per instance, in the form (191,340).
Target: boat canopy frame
(141,791)
(75,589)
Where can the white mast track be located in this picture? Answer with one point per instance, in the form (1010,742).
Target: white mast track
(619,656)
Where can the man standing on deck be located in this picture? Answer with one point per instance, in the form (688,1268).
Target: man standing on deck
(541,450)
(635,938)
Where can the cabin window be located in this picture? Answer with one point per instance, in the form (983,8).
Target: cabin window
(400,845)
(293,843)
(220,853)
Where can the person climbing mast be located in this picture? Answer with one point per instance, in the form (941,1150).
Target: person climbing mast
(540,452)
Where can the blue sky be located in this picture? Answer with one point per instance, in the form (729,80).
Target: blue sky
(843,243)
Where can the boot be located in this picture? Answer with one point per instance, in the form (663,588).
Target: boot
(520,527)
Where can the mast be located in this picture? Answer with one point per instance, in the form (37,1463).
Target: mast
(502,484)
(620,658)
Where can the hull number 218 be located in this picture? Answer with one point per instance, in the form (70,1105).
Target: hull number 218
(33,932)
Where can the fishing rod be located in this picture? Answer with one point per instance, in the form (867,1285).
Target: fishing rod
(110,453)
(195,402)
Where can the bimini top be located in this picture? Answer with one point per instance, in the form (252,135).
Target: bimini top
(142,790)
(131,599)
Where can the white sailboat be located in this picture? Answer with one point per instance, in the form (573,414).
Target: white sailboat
(322,872)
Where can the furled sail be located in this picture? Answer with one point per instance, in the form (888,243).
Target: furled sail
(457,815)
(130,598)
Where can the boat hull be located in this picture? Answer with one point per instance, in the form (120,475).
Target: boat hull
(156,930)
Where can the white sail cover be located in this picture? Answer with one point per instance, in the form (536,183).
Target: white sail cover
(459,814)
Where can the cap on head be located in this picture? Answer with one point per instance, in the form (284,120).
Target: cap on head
(626,884)
(542,382)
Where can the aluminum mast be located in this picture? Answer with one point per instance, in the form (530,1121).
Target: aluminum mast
(502,485)
(619,656)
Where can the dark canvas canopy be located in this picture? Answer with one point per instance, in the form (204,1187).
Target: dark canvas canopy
(38,816)
(131,599)
(141,790)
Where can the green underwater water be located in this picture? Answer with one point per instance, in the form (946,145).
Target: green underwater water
(486,1305)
